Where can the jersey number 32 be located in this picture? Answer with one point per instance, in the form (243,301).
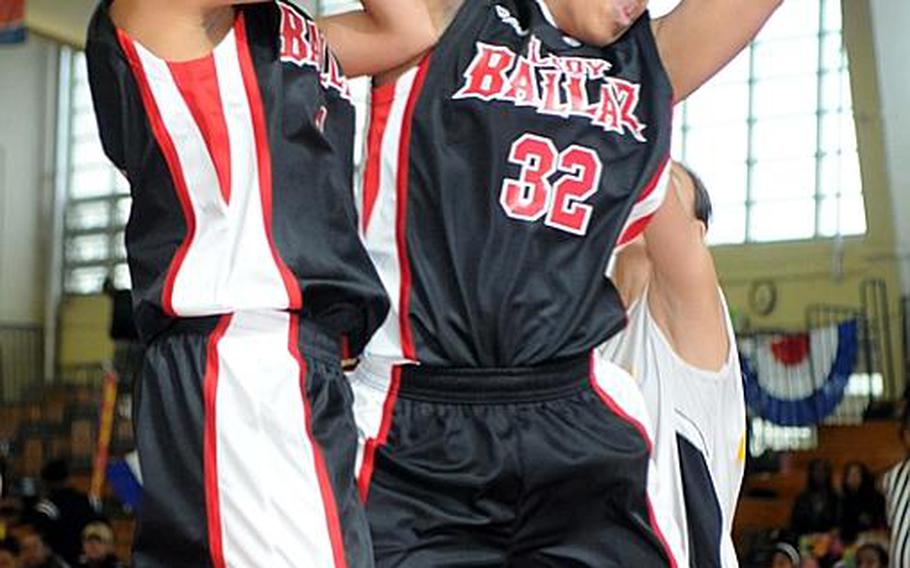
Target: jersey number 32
(533,195)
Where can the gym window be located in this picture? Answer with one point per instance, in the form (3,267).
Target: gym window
(773,135)
(97,195)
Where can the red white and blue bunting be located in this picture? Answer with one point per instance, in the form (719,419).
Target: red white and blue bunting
(800,379)
(12,21)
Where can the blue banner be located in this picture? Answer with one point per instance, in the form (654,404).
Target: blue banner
(819,404)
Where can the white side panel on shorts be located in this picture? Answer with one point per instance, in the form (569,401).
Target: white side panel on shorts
(662,489)
(270,501)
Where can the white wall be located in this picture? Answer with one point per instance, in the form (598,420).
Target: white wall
(28,95)
(890,19)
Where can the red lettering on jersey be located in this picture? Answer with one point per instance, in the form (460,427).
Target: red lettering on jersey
(334,77)
(486,76)
(534,54)
(576,87)
(522,89)
(317,45)
(597,68)
(628,96)
(552,99)
(606,112)
(294,46)
(554,85)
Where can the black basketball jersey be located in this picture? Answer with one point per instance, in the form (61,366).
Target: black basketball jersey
(240,169)
(502,172)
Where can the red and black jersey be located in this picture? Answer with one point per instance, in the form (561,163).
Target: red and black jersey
(240,169)
(502,173)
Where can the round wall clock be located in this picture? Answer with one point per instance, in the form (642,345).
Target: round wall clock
(763,297)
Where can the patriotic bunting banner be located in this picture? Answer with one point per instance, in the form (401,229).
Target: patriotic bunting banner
(12,21)
(800,379)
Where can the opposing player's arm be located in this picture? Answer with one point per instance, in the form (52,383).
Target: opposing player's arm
(699,37)
(684,289)
(385,34)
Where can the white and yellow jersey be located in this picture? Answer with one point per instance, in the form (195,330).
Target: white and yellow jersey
(699,420)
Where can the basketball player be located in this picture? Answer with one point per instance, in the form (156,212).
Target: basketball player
(234,127)
(501,171)
(679,345)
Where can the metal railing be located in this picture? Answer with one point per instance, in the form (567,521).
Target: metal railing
(21,360)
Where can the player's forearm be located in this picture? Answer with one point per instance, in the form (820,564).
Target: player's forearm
(384,35)
(699,37)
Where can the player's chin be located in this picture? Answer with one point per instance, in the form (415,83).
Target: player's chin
(605,34)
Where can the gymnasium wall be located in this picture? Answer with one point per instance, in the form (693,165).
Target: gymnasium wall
(28,92)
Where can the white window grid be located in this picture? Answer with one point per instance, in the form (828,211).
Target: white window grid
(773,134)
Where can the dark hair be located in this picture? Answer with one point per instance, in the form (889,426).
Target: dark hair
(878,549)
(55,471)
(703,206)
(867,481)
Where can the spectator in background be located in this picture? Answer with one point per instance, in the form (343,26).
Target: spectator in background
(9,553)
(862,507)
(98,547)
(35,553)
(897,499)
(871,555)
(815,509)
(63,513)
(785,555)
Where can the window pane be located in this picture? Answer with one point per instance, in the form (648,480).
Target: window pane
(90,215)
(828,217)
(838,133)
(785,138)
(833,18)
(88,248)
(797,18)
(833,54)
(122,278)
(119,252)
(83,125)
(840,173)
(786,57)
(836,94)
(728,225)
(90,182)
(727,142)
(725,181)
(86,280)
(786,96)
(779,220)
(852,215)
(725,102)
(123,211)
(783,179)
(88,152)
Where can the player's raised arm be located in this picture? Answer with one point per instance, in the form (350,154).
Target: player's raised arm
(385,34)
(699,37)
(684,279)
